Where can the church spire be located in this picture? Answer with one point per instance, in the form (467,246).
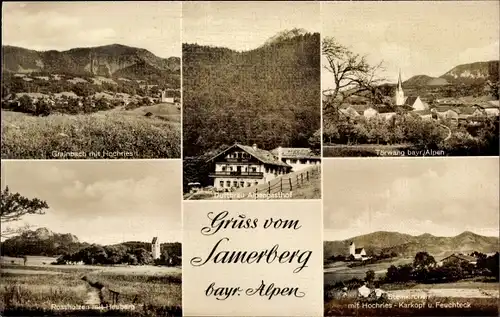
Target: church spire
(400,84)
(399,95)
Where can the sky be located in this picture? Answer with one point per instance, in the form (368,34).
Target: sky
(102,202)
(427,37)
(244,26)
(155,26)
(440,196)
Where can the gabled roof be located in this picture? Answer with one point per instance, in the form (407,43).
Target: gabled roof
(264,156)
(295,152)
(463,257)
(490,104)
(154,240)
(411,100)
(358,250)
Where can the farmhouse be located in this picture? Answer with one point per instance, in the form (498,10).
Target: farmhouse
(155,248)
(349,112)
(491,108)
(164,98)
(297,158)
(457,258)
(357,253)
(245,166)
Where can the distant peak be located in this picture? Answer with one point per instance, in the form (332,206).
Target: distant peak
(285,35)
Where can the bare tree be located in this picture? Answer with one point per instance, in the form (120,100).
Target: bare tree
(14,206)
(352,75)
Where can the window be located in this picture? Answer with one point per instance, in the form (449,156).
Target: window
(221,183)
(223,168)
(228,183)
(254,169)
(249,184)
(256,183)
(242,184)
(235,184)
(267,170)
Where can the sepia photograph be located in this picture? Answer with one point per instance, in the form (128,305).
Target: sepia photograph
(411,237)
(417,78)
(91,80)
(251,100)
(89,238)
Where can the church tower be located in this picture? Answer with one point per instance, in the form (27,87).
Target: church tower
(155,248)
(400,95)
(352,248)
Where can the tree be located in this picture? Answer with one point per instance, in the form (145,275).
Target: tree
(423,260)
(14,206)
(370,276)
(315,141)
(352,75)
(26,104)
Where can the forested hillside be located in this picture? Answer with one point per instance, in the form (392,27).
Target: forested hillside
(269,95)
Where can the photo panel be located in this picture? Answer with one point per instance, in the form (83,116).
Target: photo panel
(409,81)
(411,237)
(252,100)
(252,258)
(86,238)
(91,80)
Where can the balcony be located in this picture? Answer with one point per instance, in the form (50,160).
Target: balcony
(237,174)
(237,160)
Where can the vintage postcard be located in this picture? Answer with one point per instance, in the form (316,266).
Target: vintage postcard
(411,237)
(83,238)
(91,80)
(406,79)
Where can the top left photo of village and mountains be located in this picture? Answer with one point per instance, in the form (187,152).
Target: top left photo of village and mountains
(91,80)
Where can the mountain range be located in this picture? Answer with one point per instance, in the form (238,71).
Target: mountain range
(44,242)
(110,60)
(407,245)
(472,73)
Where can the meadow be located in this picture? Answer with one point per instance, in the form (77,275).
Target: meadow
(470,297)
(42,289)
(112,134)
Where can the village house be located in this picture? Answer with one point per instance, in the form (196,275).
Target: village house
(491,108)
(245,166)
(349,112)
(164,98)
(370,113)
(357,253)
(458,258)
(297,158)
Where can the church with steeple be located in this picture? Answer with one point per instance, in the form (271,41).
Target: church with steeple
(400,100)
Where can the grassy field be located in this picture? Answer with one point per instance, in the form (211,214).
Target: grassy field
(339,271)
(360,150)
(39,289)
(104,133)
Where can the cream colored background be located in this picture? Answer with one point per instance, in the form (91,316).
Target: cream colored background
(195,280)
